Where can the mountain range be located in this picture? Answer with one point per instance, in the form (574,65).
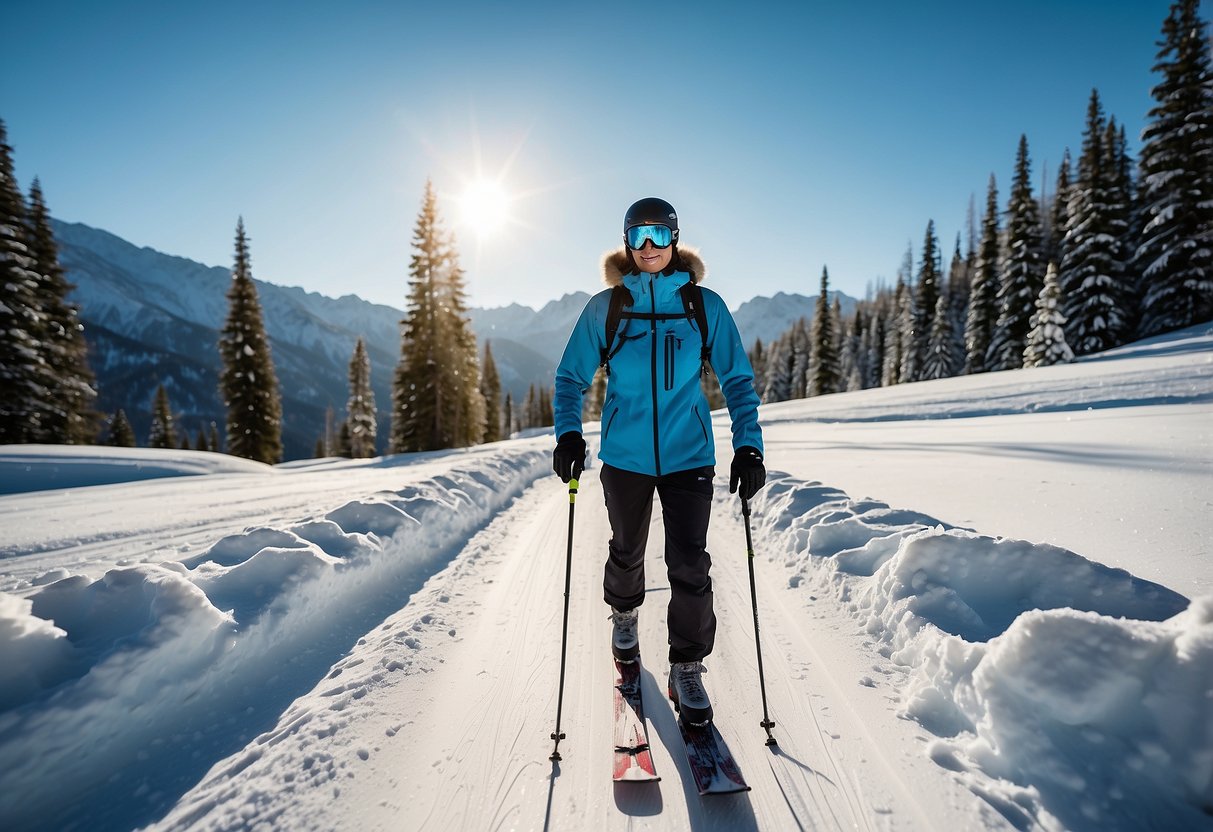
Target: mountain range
(153,318)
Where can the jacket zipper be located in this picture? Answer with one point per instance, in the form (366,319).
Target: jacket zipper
(669,361)
(653,374)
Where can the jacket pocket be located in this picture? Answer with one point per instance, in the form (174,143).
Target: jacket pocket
(672,344)
(607,428)
(707,437)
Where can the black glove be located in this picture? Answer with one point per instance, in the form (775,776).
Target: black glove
(747,472)
(568,460)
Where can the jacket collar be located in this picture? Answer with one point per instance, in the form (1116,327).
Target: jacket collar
(616,265)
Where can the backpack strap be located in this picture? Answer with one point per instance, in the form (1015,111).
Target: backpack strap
(692,302)
(620,297)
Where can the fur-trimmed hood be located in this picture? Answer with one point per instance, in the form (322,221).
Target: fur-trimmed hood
(615,264)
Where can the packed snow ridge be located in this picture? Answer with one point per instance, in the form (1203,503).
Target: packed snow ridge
(1066,693)
(117,676)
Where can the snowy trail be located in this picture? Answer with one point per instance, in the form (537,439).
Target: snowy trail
(461,740)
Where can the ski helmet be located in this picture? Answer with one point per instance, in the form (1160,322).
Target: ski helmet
(651,211)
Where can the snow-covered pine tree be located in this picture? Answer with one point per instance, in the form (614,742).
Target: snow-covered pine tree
(508,419)
(897,312)
(547,416)
(68,417)
(162,433)
(957,290)
(529,417)
(873,345)
(983,311)
(926,297)
(1022,274)
(853,359)
(1175,254)
(824,376)
(360,409)
(1092,271)
(1047,339)
(248,384)
(345,441)
(23,372)
(940,360)
(802,358)
(779,370)
(1123,198)
(1058,211)
(122,435)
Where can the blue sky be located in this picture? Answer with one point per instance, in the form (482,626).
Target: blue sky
(788,136)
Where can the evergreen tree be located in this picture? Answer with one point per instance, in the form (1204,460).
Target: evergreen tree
(547,417)
(1022,275)
(1058,211)
(185,441)
(982,313)
(510,426)
(1092,271)
(436,401)
(490,391)
(247,383)
(957,291)
(802,355)
(1047,340)
(926,297)
(68,417)
(360,409)
(779,370)
(162,433)
(825,376)
(200,443)
(530,409)
(345,441)
(318,452)
(873,347)
(941,359)
(1175,256)
(898,310)
(23,372)
(758,361)
(122,435)
(853,359)
(212,441)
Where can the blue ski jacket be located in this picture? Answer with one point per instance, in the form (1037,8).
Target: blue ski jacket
(655,418)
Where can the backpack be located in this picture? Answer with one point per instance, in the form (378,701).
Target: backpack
(693,311)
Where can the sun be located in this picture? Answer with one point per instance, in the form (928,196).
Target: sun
(484,207)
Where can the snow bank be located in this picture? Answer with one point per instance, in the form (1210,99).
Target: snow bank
(40,467)
(135,683)
(1065,693)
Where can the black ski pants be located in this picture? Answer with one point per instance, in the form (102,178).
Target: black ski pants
(686,505)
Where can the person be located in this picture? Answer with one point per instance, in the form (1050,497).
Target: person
(656,434)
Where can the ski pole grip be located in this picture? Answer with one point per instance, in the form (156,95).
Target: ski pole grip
(573,486)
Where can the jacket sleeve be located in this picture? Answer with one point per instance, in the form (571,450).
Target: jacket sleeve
(575,373)
(732,368)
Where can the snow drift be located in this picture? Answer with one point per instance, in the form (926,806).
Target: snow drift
(1066,693)
(150,672)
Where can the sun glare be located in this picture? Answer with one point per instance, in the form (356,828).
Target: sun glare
(484,207)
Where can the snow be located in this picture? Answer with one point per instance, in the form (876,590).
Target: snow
(986,603)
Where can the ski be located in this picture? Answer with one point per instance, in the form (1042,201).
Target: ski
(633,758)
(712,764)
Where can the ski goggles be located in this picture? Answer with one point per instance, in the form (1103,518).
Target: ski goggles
(659,235)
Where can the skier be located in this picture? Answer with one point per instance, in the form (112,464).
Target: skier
(656,431)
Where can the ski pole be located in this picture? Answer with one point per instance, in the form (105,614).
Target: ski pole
(762,684)
(558,735)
